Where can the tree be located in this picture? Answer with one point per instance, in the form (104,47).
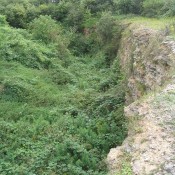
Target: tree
(128,6)
(153,8)
(16,15)
(45,28)
(169,8)
(105,26)
(96,6)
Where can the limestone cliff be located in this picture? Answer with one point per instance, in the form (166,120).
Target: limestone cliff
(148,58)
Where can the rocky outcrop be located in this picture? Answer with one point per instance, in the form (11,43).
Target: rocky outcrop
(148,58)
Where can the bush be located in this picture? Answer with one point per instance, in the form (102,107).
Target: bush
(80,44)
(19,13)
(45,29)
(57,120)
(49,31)
(108,32)
(3,20)
(17,46)
(57,11)
(169,8)
(105,27)
(15,92)
(60,76)
(153,8)
(76,16)
(129,6)
(96,6)
(16,15)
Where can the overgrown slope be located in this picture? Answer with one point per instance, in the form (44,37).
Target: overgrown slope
(59,113)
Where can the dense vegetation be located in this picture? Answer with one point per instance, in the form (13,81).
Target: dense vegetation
(61,87)
(80,13)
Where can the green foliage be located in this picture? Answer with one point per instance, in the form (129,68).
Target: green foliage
(80,44)
(16,15)
(3,20)
(108,32)
(125,169)
(168,8)
(61,87)
(148,8)
(96,6)
(59,75)
(57,12)
(57,117)
(152,8)
(61,93)
(45,29)
(76,16)
(19,13)
(129,6)
(14,92)
(105,27)
(50,138)
(17,46)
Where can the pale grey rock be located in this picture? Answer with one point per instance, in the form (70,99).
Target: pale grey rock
(148,59)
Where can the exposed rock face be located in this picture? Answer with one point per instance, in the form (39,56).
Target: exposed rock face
(148,59)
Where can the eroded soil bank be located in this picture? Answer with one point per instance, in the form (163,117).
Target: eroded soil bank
(148,58)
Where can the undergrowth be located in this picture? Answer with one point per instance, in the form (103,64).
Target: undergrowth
(59,114)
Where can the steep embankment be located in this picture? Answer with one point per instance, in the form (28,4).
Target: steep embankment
(148,57)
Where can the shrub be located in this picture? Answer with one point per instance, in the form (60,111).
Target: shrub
(108,32)
(128,6)
(80,44)
(16,15)
(3,20)
(57,11)
(153,8)
(32,12)
(76,16)
(14,92)
(45,29)
(169,8)
(16,47)
(49,31)
(60,76)
(96,6)
(56,120)
(105,27)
